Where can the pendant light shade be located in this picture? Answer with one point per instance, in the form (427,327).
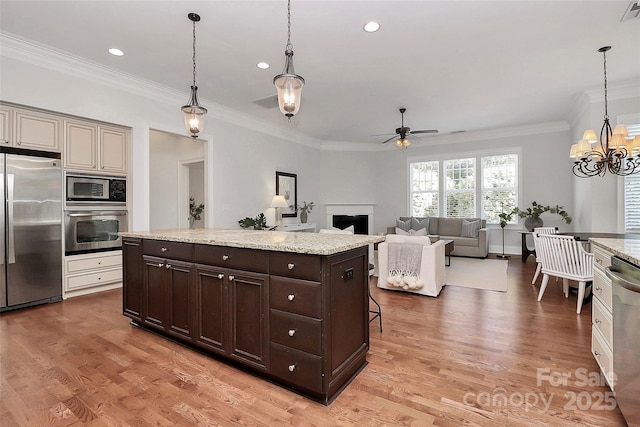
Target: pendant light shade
(193,112)
(289,84)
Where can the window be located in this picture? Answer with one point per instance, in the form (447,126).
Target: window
(460,188)
(424,188)
(451,187)
(499,186)
(632,194)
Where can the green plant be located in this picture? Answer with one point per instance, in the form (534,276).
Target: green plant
(306,207)
(195,211)
(257,223)
(534,211)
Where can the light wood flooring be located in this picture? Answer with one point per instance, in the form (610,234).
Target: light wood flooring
(443,361)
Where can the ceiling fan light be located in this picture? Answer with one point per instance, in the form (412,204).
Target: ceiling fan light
(403,142)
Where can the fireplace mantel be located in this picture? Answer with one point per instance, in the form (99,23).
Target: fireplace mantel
(350,209)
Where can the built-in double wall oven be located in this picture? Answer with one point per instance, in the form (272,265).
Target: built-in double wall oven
(95,212)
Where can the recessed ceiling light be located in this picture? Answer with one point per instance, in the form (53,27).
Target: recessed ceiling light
(116,52)
(371,27)
(262,65)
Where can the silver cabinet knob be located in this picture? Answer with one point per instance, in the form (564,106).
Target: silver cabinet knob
(598,288)
(225,257)
(232,277)
(599,261)
(168,266)
(292,332)
(290,297)
(290,266)
(220,276)
(292,368)
(597,321)
(160,265)
(596,353)
(99,262)
(19,142)
(163,249)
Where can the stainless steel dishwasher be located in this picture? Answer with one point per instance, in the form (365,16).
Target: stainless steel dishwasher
(625,278)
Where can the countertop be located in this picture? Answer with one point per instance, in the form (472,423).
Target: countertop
(280,241)
(627,249)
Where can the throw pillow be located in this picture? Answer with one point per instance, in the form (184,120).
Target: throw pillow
(404,225)
(470,228)
(417,224)
(401,232)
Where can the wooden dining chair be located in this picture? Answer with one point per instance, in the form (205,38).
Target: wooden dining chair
(536,231)
(564,257)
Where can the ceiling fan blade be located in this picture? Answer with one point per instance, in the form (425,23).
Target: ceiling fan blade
(424,131)
(383,134)
(393,137)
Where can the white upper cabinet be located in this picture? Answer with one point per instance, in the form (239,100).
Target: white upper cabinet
(94,147)
(5,125)
(29,129)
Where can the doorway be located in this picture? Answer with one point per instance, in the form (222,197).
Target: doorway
(176,172)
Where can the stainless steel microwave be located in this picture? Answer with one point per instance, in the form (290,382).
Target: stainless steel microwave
(95,190)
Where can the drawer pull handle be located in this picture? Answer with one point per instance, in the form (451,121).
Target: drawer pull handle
(290,266)
(292,332)
(598,288)
(595,353)
(163,249)
(232,277)
(599,261)
(168,266)
(292,368)
(220,276)
(290,297)
(225,257)
(160,265)
(597,321)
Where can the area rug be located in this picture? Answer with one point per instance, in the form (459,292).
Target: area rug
(487,274)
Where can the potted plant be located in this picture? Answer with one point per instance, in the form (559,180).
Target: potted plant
(304,210)
(257,223)
(195,211)
(532,214)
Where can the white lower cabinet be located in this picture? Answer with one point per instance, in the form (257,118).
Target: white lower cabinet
(88,273)
(601,317)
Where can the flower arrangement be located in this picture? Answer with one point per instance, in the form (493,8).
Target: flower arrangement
(306,207)
(534,212)
(195,211)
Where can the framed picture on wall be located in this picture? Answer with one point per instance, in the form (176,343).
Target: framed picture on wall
(287,186)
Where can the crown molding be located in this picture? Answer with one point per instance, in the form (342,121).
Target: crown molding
(33,53)
(615,91)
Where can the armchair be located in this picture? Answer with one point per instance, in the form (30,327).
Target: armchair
(432,272)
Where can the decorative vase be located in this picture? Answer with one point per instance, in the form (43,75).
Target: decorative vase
(303,217)
(530,223)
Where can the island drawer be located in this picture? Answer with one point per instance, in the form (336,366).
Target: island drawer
(236,258)
(300,332)
(601,258)
(174,250)
(295,296)
(296,367)
(301,266)
(602,288)
(602,321)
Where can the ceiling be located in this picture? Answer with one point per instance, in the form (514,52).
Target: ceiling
(455,65)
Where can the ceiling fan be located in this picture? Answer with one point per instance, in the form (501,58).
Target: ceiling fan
(403,131)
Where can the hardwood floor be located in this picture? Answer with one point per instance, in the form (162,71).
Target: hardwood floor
(445,361)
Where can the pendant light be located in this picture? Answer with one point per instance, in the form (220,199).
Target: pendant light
(289,84)
(193,112)
(613,153)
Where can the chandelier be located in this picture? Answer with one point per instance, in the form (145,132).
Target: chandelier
(193,112)
(288,84)
(614,151)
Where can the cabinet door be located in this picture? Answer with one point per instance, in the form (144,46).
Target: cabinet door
(180,303)
(38,131)
(132,280)
(80,145)
(5,125)
(113,150)
(154,292)
(212,320)
(249,318)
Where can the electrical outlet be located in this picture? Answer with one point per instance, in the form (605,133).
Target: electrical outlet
(348,274)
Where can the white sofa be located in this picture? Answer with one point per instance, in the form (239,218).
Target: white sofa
(432,269)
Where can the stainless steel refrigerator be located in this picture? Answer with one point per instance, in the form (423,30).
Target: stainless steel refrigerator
(31,236)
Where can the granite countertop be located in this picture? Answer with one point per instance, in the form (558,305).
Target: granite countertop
(627,249)
(280,241)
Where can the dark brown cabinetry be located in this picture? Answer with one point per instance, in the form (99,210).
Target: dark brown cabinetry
(299,319)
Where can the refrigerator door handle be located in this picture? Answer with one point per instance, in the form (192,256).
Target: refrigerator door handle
(12,250)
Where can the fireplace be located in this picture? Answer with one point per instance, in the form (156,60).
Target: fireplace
(360,223)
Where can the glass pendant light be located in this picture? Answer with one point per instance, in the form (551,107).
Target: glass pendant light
(193,112)
(289,84)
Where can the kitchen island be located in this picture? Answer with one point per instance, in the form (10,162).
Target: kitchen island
(291,307)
